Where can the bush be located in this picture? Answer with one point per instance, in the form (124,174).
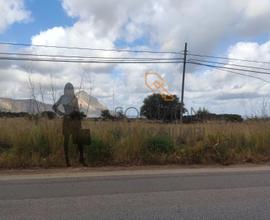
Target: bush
(159,144)
(42,147)
(49,114)
(98,152)
(4,146)
(105,114)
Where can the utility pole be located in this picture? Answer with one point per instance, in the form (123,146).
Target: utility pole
(113,101)
(183,84)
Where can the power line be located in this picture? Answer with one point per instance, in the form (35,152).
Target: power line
(88,48)
(243,74)
(129,51)
(228,64)
(226,58)
(88,57)
(229,68)
(127,60)
(85,61)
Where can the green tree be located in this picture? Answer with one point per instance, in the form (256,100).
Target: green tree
(155,107)
(105,114)
(203,111)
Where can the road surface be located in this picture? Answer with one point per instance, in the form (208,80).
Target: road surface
(200,194)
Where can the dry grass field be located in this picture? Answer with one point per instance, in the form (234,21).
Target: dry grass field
(39,143)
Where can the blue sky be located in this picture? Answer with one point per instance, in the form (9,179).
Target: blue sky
(45,14)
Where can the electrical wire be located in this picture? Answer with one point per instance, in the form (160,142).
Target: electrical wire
(242,74)
(88,48)
(226,58)
(229,68)
(88,57)
(228,64)
(85,61)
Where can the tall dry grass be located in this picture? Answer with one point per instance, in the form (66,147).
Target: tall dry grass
(28,143)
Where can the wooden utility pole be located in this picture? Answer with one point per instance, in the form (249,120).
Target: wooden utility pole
(183,84)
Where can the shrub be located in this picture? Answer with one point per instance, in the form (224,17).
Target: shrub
(105,114)
(4,146)
(49,114)
(159,144)
(98,152)
(43,148)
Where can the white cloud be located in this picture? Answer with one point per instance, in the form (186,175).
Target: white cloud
(227,92)
(12,11)
(253,9)
(166,24)
(170,22)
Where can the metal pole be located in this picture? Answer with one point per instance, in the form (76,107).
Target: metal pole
(183,84)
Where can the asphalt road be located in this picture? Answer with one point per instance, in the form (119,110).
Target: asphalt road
(197,195)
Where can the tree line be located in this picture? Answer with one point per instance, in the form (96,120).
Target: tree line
(154,107)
